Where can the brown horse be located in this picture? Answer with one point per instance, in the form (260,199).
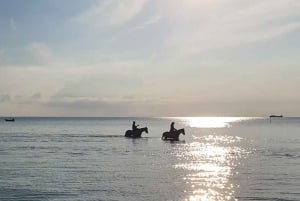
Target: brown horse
(137,133)
(172,135)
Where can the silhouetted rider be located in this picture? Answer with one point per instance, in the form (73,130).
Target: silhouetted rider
(172,128)
(134,127)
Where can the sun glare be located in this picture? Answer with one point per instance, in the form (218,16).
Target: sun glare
(210,122)
(210,164)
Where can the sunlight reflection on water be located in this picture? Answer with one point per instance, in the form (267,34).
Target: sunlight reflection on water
(209,163)
(210,122)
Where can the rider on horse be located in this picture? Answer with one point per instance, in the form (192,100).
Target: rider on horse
(134,127)
(172,129)
(135,132)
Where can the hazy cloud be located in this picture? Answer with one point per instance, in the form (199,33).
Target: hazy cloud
(104,84)
(36,96)
(142,57)
(33,54)
(111,13)
(4,98)
(223,24)
(12,24)
(87,107)
(42,54)
(2,56)
(152,20)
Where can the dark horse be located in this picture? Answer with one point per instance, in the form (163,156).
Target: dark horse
(137,133)
(172,135)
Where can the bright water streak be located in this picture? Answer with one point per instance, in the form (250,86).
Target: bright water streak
(219,158)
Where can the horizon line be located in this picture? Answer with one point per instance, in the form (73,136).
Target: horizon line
(36,116)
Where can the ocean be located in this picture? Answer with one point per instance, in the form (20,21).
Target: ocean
(219,158)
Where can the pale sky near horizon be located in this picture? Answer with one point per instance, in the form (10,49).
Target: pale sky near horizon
(149,57)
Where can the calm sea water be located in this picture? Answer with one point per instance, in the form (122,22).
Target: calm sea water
(89,159)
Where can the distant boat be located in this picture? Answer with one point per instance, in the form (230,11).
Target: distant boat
(279,116)
(9,119)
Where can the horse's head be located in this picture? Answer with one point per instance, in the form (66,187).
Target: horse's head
(146,129)
(183,131)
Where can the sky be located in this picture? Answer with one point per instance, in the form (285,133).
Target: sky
(149,57)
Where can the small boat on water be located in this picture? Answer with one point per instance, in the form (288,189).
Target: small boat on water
(9,119)
(279,116)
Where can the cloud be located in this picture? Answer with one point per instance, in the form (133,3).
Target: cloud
(88,106)
(73,80)
(100,84)
(36,96)
(152,20)
(223,24)
(108,106)
(192,58)
(111,13)
(4,98)
(2,56)
(12,24)
(42,54)
(24,99)
(37,54)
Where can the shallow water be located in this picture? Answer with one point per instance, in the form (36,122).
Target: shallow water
(89,159)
